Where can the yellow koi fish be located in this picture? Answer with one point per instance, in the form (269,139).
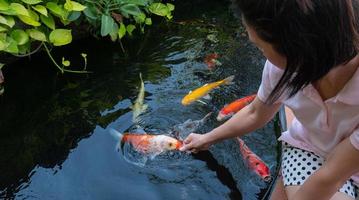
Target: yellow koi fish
(139,106)
(204,90)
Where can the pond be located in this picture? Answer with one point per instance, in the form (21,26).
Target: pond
(54,129)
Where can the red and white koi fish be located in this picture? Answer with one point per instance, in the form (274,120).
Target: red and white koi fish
(146,143)
(231,109)
(254,162)
(211,61)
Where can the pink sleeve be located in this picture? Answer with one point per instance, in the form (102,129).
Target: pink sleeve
(354,139)
(270,77)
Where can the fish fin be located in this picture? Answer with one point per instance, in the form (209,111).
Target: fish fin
(118,136)
(202,102)
(207,97)
(206,116)
(229,80)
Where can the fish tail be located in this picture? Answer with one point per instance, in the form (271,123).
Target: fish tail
(117,135)
(141,77)
(229,80)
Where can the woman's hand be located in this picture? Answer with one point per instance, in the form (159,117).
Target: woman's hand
(195,143)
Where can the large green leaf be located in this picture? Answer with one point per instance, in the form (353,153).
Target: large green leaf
(159,9)
(48,21)
(57,10)
(60,37)
(4,5)
(37,35)
(136,2)
(106,25)
(19,9)
(90,13)
(131,9)
(32,19)
(32,2)
(41,9)
(20,36)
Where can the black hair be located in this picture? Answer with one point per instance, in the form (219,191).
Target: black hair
(314,36)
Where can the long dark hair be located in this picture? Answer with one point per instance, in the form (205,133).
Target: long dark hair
(314,35)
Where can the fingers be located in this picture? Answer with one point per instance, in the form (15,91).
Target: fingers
(188,144)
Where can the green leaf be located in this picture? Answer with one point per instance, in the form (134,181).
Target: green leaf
(114,32)
(90,13)
(11,46)
(57,10)
(19,9)
(159,9)
(65,63)
(7,20)
(36,35)
(9,11)
(30,20)
(48,21)
(41,9)
(3,45)
(106,25)
(60,37)
(20,36)
(74,15)
(4,5)
(140,18)
(32,2)
(122,31)
(148,21)
(74,6)
(136,2)
(170,6)
(130,29)
(3,29)
(130,9)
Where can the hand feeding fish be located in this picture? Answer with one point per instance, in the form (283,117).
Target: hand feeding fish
(229,110)
(203,91)
(147,143)
(254,162)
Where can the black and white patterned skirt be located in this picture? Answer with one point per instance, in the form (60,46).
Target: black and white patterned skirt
(298,165)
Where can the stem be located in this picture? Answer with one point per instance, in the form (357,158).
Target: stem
(52,59)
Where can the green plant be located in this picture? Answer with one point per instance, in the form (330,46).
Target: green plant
(26,23)
(118,18)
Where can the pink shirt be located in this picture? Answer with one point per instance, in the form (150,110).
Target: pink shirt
(317,126)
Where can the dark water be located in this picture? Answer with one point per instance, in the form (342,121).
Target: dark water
(54,140)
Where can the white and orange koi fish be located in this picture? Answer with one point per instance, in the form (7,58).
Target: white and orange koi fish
(147,143)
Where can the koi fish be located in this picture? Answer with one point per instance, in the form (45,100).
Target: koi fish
(204,90)
(229,110)
(254,162)
(146,143)
(211,61)
(139,107)
(189,126)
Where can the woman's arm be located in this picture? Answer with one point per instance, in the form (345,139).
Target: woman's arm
(341,164)
(250,118)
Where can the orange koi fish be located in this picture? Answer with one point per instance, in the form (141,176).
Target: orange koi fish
(231,109)
(204,90)
(254,162)
(146,143)
(211,60)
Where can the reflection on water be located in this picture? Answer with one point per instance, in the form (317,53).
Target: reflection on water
(54,140)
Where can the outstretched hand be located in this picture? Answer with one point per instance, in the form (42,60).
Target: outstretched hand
(195,143)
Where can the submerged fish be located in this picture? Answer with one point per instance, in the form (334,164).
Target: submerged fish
(146,143)
(139,107)
(204,90)
(211,61)
(189,126)
(254,162)
(231,109)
